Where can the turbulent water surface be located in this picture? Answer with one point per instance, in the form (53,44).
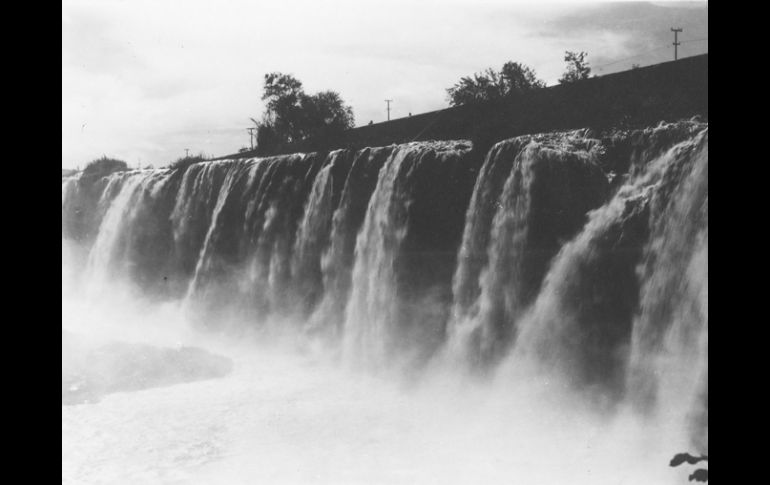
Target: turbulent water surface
(420,313)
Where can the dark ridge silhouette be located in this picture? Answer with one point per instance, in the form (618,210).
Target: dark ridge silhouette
(630,99)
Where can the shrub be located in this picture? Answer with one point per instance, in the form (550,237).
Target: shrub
(185,162)
(491,85)
(104,166)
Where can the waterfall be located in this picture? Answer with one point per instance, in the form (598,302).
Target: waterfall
(669,350)
(512,232)
(193,210)
(371,310)
(315,229)
(383,313)
(244,264)
(338,257)
(133,238)
(578,256)
(623,311)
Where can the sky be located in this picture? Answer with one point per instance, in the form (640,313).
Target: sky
(143,80)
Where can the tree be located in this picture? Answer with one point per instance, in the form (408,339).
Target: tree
(325,113)
(577,67)
(267,136)
(291,115)
(518,78)
(489,85)
(282,95)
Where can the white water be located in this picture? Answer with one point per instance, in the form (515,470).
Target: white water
(370,311)
(288,415)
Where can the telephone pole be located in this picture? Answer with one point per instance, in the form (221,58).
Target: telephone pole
(251,136)
(388,101)
(187,153)
(676,41)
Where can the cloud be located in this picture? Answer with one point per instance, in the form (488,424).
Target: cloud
(633,28)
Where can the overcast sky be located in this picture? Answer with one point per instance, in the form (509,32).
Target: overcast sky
(143,80)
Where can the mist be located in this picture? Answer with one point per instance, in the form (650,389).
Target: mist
(288,412)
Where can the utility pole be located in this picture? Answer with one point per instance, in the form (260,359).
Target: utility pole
(388,101)
(251,136)
(187,153)
(676,41)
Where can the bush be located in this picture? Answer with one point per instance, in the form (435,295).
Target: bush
(104,166)
(491,85)
(185,162)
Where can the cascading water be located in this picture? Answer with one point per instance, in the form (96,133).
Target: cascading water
(382,317)
(337,258)
(315,229)
(550,187)
(578,260)
(632,286)
(245,259)
(669,353)
(134,237)
(192,213)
